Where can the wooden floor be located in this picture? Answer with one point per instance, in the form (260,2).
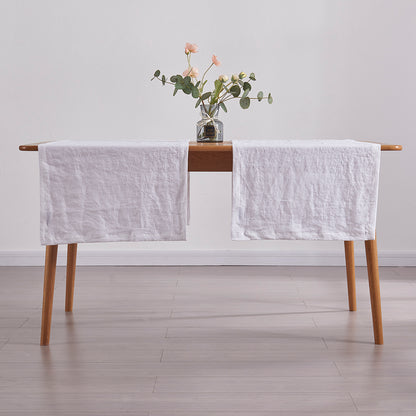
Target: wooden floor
(207,341)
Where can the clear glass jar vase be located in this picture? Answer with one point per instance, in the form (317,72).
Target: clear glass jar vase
(209,128)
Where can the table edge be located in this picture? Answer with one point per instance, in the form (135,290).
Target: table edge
(210,147)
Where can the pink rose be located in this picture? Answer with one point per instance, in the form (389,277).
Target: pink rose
(191,48)
(215,60)
(191,72)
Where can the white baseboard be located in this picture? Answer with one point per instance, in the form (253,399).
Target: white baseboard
(205,258)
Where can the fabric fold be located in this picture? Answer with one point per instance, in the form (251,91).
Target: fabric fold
(304,189)
(113,191)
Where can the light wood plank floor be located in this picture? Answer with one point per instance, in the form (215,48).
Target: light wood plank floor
(199,341)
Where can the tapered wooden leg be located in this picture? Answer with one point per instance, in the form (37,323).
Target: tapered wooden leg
(48,289)
(71,263)
(374,283)
(349,261)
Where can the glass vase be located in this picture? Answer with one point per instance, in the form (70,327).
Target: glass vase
(209,128)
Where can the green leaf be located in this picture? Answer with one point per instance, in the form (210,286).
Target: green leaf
(246,86)
(222,105)
(252,76)
(205,96)
(197,84)
(269,98)
(187,80)
(173,78)
(217,91)
(218,85)
(235,90)
(157,73)
(198,102)
(245,103)
(187,89)
(175,90)
(245,93)
(195,92)
(179,85)
(260,95)
(163,80)
(179,80)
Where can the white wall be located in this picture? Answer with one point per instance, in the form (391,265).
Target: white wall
(80,69)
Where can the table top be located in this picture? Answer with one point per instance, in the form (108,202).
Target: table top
(209,157)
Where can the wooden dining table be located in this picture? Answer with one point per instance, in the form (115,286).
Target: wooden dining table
(211,157)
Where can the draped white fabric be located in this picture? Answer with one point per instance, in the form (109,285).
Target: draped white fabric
(113,191)
(304,189)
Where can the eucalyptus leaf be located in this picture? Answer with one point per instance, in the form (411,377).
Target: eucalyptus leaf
(269,98)
(246,86)
(245,93)
(195,92)
(198,101)
(187,80)
(197,84)
(187,89)
(205,96)
(245,103)
(222,105)
(252,76)
(163,80)
(260,95)
(157,73)
(235,90)
(173,78)
(175,91)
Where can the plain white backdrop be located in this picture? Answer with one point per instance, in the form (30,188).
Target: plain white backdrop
(81,70)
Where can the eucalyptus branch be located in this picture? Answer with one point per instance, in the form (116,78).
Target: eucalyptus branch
(166,82)
(250,98)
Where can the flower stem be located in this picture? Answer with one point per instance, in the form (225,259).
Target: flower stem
(203,76)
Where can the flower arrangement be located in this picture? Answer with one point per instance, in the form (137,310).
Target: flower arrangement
(238,86)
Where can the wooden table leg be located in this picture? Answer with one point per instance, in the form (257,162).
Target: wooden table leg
(374,283)
(48,289)
(71,262)
(349,261)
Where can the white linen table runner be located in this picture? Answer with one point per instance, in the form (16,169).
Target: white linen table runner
(113,191)
(304,189)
